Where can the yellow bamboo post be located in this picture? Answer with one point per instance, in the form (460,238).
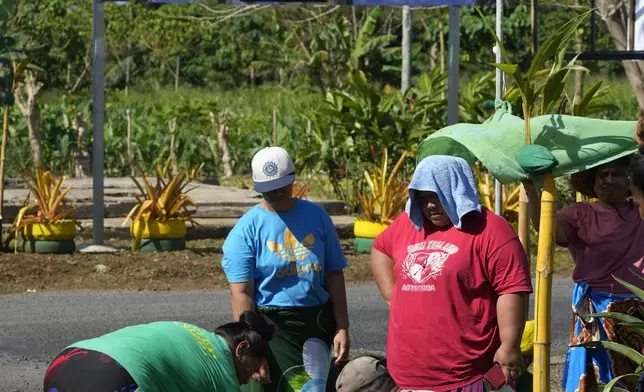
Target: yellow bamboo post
(542,339)
(3,158)
(524,221)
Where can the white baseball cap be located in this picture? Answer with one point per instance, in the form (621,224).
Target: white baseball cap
(272,169)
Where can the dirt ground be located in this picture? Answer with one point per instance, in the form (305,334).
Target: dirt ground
(197,268)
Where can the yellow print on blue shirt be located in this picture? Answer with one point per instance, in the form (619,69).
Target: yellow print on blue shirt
(293,251)
(202,339)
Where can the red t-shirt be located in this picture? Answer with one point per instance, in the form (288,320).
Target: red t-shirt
(443,330)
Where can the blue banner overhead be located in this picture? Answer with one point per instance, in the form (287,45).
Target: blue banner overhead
(418,3)
(409,2)
(173,1)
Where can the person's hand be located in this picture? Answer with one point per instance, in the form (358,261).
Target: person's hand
(263,376)
(511,361)
(341,346)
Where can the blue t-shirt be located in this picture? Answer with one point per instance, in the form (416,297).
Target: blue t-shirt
(286,254)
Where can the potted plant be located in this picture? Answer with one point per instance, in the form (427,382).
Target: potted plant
(44,225)
(159,218)
(386,199)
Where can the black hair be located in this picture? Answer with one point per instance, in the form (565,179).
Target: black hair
(636,173)
(251,327)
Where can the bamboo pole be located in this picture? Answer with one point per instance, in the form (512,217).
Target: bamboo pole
(3,158)
(542,338)
(524,221)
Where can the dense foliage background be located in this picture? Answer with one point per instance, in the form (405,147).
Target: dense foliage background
(321,82)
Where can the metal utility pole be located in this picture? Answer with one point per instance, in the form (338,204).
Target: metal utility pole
(406,49)
(453,74)
(98,150)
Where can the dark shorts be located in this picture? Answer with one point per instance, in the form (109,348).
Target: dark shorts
(80,370)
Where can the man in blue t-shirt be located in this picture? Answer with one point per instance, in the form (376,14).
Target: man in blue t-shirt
(284,257)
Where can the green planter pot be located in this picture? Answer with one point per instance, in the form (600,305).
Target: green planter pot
(165,245)
(44,247)
(363,245)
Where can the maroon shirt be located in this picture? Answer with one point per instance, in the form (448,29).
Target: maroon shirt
(604,241)
(443,330)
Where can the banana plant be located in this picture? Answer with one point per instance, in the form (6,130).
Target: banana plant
(541,98)
(590,104)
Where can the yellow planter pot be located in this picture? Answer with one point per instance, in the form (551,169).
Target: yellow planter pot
(159,230)
(367,229)
(51,231)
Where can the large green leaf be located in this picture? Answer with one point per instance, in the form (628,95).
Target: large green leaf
(632,288)
(506,55)
(556,42)
(611,386)
(365,35)
(638,274)
(637,325)
(371,45)
(625,318)
(552,91)
(626,351)
(507,68)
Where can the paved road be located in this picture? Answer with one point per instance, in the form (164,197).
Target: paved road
(35,327)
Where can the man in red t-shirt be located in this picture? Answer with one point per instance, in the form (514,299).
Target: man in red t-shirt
(456,278)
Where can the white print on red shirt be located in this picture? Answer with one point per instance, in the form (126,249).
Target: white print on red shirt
(425,261)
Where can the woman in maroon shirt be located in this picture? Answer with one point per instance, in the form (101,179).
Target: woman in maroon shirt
(604,239)
(456,278)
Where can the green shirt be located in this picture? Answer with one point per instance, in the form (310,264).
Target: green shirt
(170,356)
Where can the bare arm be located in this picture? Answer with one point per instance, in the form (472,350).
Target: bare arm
(382,267)
(511,317)
(534,200)
(511,312)
(243,297)
(334,281)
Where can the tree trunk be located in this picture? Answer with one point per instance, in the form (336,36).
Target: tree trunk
(161,77)
(615,19)
(26,94)
(172,125)
(579,75)
(128,61)
(176,74)
(128,65)
(354,18)
(69,75)
(82,163)
(274,126)
(442,42)
(433,55)
(221,125)
(130,157)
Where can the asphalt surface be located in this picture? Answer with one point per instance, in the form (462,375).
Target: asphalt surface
(35,327)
